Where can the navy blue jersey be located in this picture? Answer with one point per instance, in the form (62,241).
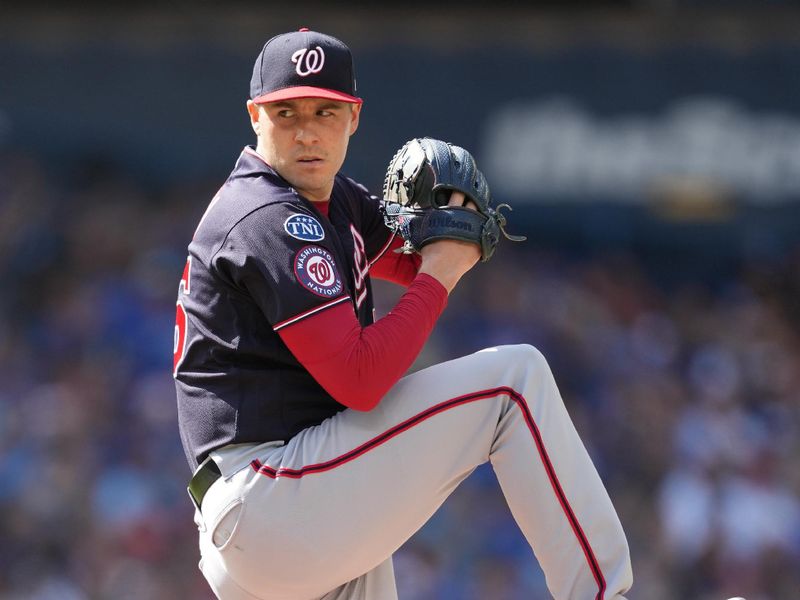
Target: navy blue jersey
(263,258)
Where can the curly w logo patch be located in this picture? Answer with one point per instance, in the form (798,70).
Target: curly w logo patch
(308,61)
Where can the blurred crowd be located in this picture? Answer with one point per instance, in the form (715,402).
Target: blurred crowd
(686,394)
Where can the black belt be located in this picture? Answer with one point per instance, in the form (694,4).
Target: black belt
(202,480)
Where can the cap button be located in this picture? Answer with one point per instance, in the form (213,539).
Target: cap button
(304,29)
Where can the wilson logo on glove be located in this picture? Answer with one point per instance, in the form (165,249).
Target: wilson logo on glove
(447,221)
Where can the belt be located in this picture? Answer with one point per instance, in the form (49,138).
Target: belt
(206,475)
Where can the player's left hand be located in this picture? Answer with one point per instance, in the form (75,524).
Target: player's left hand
(420,201)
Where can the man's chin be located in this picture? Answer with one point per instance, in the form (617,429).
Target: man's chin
(313,190)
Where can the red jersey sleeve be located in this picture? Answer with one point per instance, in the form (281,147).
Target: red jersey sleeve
(394,266)
(356,365)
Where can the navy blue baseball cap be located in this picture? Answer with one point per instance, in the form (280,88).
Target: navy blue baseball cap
(303,64)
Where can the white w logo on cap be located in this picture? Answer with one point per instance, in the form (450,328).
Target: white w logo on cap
(308,61)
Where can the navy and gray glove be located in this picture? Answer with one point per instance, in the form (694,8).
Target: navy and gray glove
(420,178)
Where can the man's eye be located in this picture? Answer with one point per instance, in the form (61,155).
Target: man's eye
(325,113)
(286,114)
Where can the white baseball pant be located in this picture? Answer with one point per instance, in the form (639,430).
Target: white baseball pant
(321,516)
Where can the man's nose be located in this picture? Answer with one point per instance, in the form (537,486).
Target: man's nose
(306,134)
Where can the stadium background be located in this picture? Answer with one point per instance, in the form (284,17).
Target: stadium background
(651,151)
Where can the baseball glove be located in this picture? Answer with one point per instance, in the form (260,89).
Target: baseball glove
(420,178)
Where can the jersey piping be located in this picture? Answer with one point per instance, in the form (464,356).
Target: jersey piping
(310,312)
(383,250)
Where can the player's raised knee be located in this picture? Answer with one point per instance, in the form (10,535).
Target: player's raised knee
(524,355)
(524,352)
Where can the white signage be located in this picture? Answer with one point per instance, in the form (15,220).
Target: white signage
(556,149)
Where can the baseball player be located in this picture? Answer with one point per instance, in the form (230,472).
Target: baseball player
(314,458)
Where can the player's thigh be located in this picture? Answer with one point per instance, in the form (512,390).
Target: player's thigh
(340,497)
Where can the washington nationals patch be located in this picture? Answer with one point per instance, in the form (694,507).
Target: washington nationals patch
(316,269)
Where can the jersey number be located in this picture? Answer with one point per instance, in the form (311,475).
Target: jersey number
(179,343)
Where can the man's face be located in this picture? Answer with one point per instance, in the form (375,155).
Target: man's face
(305,140)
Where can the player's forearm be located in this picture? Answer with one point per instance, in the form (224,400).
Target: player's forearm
(448,260)
(355,365)
(396,267)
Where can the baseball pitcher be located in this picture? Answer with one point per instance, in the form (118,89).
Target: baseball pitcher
(314,457)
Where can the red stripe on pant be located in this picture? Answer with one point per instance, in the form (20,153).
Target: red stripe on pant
(594,566)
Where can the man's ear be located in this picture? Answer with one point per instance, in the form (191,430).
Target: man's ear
(354,117)
(254,112)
